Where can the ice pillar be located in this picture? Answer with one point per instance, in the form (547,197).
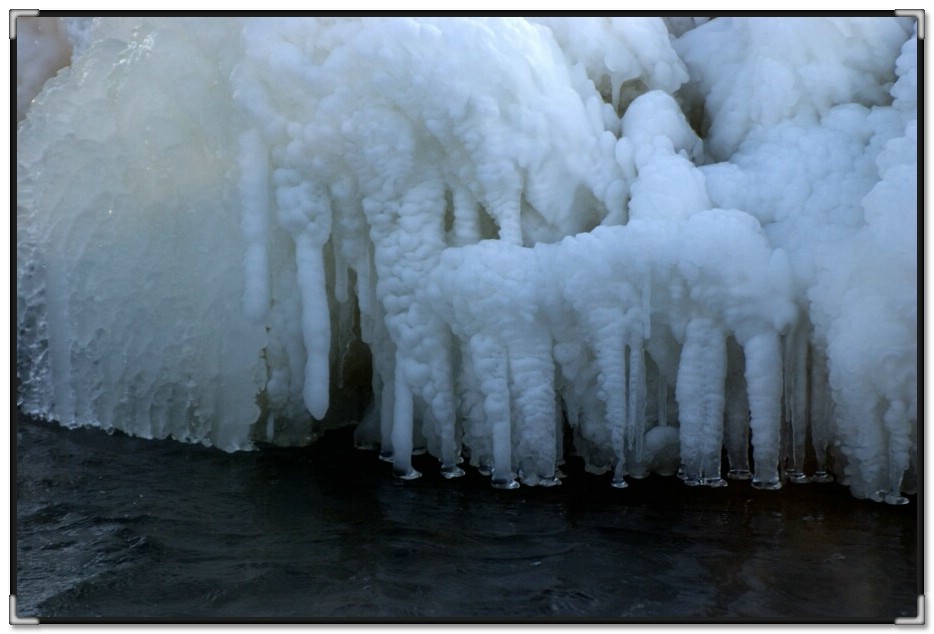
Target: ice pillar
(700,394)
(764,390)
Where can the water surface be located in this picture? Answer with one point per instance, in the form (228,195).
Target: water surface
(125,528)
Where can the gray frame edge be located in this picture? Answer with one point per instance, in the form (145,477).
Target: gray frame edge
(17,620)
(916,620)
(918,14)
(20,13)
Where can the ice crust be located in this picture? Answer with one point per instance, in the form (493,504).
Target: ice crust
(42,48)
(673,236)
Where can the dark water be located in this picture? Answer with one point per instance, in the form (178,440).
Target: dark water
(117,527)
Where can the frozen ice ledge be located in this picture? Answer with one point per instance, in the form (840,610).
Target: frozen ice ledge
(666,238)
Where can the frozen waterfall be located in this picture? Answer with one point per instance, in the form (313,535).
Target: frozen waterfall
(670,239)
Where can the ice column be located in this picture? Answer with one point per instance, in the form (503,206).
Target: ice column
(764,386)
(821,415)
(736,431)
(304,210)
(699,390)
(795,402)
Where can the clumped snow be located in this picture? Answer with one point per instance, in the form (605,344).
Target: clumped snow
(672,236)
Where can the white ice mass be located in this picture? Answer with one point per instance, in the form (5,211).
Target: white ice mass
(671,237)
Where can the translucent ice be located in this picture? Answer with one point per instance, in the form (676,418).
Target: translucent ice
(42,48)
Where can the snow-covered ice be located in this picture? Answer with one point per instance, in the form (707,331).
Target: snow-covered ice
(665,236)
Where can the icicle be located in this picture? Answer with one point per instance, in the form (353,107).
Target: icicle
(402,424)
(571,406)
(821,417)
(497,407)
(637,388)
(795,385)
(345,337)
(366,289)
(864,444)
(422,415)
(471,402)
(341,277)
(386,399)
(253,159)
(507,216)
(373,332)
(764,389)
(700,394)
(450,459)
(466,218)
(647,308)
(736,432)
(531,372)
(610,349)
(662,400)
(898,423)
(304,210)
(493,372)
(444,409)
(316,324)
(559,434)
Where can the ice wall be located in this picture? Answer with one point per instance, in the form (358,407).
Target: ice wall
(42,46)
(470,235)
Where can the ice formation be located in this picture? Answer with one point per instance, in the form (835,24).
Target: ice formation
(44,44)
(671,238)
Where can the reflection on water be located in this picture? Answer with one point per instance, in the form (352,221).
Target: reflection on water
(111,526)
